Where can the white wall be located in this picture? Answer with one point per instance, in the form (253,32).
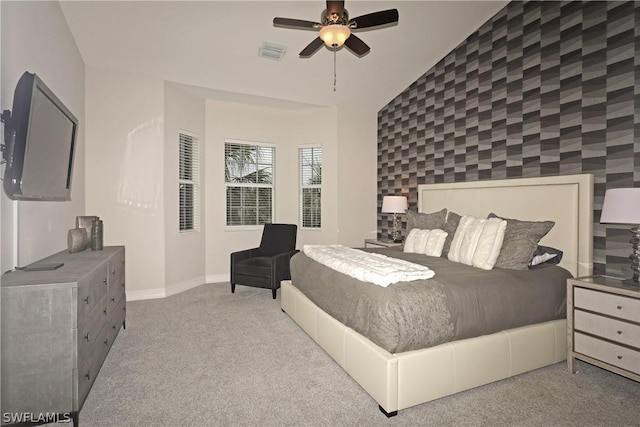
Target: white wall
(36,38)
(184,252)
(357,154)
(124,171)
(287,129)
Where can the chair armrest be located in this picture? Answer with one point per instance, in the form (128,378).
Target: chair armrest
(245,254)
(280,265)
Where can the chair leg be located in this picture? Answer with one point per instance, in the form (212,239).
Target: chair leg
(274,293)
(233,288)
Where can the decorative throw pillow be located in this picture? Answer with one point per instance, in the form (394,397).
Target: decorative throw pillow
(426,221)
(410,240)
(450,228)
(544,256)
(477,241)
(520,242)
(435,243)
(428,242)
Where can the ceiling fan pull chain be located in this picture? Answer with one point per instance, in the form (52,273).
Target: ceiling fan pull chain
(335,78)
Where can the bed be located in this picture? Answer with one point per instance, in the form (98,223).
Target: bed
(398,380)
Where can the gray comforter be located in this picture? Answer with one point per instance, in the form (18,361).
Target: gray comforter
(459,302)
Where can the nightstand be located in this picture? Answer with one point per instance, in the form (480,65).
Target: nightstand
(368,243)
(603,325)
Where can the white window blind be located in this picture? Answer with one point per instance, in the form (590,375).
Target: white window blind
(249,172)
(311,187)
(188,182)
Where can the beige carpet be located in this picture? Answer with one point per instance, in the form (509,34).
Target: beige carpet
(207,357)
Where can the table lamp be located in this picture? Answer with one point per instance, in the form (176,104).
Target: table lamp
(395,205)
(622,206)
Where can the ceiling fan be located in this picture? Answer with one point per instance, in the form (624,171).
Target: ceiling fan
(336,29)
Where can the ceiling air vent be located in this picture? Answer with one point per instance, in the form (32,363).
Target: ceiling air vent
(272,51)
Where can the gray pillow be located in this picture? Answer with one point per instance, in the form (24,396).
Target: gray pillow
(520,242)
(426,221)
(453,219)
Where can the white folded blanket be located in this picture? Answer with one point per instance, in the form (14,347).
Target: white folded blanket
(368,267)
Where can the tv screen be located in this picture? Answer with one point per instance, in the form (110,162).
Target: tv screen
(40,141)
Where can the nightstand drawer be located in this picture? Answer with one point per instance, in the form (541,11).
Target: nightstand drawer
(612,305)
(613,354)
(605,327)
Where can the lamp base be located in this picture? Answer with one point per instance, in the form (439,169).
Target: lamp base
(635,255)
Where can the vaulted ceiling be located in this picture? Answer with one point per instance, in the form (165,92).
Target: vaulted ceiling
(213,46)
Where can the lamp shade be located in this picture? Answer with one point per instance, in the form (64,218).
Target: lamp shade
(621,206)
(394,204)
(334,35)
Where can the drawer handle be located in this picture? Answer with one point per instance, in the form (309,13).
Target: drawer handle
(106,342)
(86,299)
(113,299)
(619,307)
(87,337)
(104,282)
(619,332)
(105,311)
(88,375)
(113,271)
(114,327)
(619,357)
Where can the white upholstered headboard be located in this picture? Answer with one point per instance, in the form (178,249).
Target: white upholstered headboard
(567,200)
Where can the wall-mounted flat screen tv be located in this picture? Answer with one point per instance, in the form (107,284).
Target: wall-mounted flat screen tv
(40,139)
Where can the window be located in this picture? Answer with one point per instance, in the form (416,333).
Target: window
(188,182)
(311,187)
(248,173)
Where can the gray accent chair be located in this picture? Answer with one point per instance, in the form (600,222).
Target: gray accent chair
(266,266)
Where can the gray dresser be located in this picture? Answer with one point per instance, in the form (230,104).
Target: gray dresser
(57,328)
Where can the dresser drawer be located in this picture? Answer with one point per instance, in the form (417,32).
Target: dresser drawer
(606,327)
(116,272)
(613,354)
(90,327)
(115,295)
(89,367)
(116,320)
(612,305)
(91,290)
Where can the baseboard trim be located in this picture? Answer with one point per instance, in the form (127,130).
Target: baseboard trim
(184,286)
(217,278)
(146,294)
(176,288)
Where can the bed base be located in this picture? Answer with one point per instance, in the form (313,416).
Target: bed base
(398,381)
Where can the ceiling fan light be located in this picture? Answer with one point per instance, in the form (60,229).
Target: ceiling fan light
(335,35)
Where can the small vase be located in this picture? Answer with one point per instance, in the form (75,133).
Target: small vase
(96,235)
(77,240)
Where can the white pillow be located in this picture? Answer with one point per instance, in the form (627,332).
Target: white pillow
(435,243)
(409,242)
(428,242)
(478,241)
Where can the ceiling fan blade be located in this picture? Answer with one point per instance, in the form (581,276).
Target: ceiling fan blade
(356,45)
(374,19)
(311,48)
(295,23)
(336,7)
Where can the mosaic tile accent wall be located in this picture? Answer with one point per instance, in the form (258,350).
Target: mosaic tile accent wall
(543,88)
